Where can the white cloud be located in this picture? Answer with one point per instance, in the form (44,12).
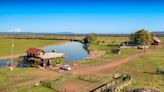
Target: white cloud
(16,30)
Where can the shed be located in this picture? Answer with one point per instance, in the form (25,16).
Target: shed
(127,43)
(116,51)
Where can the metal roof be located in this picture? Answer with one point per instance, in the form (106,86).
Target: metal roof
(51,55)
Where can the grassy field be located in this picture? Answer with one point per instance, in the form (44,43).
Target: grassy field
(19,76)
(143,70)
(21,45)
(115,40)
(9,78)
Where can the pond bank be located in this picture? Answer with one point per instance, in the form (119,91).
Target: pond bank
(95,54)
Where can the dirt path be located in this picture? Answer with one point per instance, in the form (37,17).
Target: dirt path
(92,69)
(99,68)
(47,74)
(83,69)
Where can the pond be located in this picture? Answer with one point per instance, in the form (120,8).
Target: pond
(3,62)
(75,52)
(6,62)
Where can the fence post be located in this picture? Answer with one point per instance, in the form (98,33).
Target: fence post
(65,90)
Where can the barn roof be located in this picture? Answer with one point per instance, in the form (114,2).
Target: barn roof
(34,51)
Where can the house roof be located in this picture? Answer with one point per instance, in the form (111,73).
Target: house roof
(51,55)
(34,51)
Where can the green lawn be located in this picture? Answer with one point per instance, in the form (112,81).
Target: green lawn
(9,78)
(21,45)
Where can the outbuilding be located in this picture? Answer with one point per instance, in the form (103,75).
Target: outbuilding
(38,57)
(116,51)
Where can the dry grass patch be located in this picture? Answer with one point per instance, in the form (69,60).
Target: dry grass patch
(73,85)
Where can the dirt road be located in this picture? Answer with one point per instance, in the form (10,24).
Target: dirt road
(47,74)
(99,68)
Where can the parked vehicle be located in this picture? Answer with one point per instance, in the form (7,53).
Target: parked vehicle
(66,67)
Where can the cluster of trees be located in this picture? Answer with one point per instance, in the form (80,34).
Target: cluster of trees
(90,38)
(142,37)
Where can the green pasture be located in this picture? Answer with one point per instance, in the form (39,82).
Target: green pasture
(113,40)
(143,70)
(9,78)
(21,45)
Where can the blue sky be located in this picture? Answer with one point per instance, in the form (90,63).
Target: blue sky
(81,16)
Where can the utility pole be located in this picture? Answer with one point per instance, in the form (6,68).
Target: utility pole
(12,46)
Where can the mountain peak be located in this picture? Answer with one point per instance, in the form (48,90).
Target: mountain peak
(16,30)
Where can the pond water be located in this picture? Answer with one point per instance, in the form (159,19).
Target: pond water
(5,62)
(74,51)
